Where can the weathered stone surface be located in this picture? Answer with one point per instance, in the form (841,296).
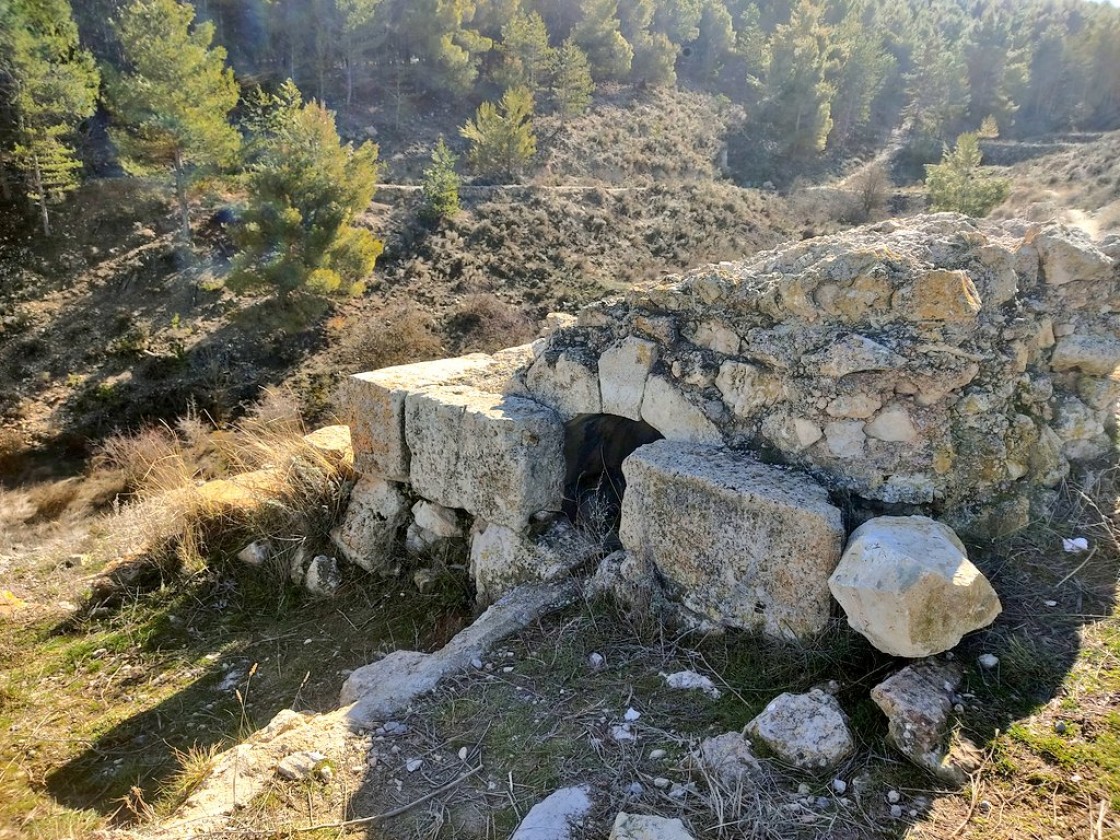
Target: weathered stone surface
(567,384)
(502,558)
(669,411)
(806,731)
(367,534)
(322,578)
(746,388)
(644,827)
(432,526)
(1067,255)
(255,553)
(623,371)
(851,354)
(500,458)
(748,545)
(728,757)
(555,816)
(917,701)
(373,404)
(906,583)
(333,444)
(1089,354)
(939,295)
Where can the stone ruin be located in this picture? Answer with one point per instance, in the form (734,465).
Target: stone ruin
(756,412)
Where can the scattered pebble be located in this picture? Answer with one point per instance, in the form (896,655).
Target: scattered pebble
(462,753)
(661,783)
(508,669)
(893,796)
(1076,545)
(631,714)
(1060,727)
(1075,778)
(845,802)
(988,660)
(691,679)
(822,802)
(596,661)
(839,785)
(913,812)
(635,789)
(958,708)
(657,755)
(896,811)
(476,663)
(803,789)
(621,732)
(413,764)
(985,806)
(1050,603)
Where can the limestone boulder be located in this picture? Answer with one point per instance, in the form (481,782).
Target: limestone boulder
(917,702)
(906,583)
(806,731)
(1095,355)
(333,444)
(500,458)
(671,412)
(432,526)
(367,534)
(1067,255)
(501,558)
(742,543)
(555,816)
(566,382)
(373,404)
(728,757)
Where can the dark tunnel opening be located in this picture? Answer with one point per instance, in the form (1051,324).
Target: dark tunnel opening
(595,445)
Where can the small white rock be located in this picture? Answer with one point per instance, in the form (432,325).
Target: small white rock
(661,783)
(893,796)
(988,660)
(803,789)
(413,764)
(839,785)
(896,811)
(631,714)
(657,755)
(463,753)
(1050,603)
(596,661)
(635,789)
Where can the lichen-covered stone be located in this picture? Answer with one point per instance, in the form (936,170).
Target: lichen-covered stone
(906,583)
(806,731)
(917,701)
(748,545)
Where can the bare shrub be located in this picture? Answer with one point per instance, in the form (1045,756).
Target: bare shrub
(484,322)
(401,334)
(870,188)
(50,501)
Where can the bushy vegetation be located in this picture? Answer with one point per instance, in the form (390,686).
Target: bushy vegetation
(305,190)
(956,183)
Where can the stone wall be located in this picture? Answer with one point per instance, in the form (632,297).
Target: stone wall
(935,365)
(943,364)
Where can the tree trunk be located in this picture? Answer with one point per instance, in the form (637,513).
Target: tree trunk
(181,194)
(42,193)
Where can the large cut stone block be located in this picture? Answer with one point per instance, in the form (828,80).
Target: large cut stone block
(906,583)
(373,406)
(501,458)
(746,544)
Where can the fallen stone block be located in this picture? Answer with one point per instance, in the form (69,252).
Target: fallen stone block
(742,543)
(368,532)
(333,444)
(728,757)
(906,583)
(502,558)
(917,701)
(1068,256)
(500,458)
(806,731)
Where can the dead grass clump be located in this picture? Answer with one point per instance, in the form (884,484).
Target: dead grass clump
(484,322)
(11,452)
(50,501)
(281,489)
(401,334)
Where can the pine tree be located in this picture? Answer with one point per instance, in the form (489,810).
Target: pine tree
(501,137)
(956,183)
(305,191)
(51,87)
(173,101)
(598,34)
(441,185)
(526,55)
(799,85)
(569,81)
